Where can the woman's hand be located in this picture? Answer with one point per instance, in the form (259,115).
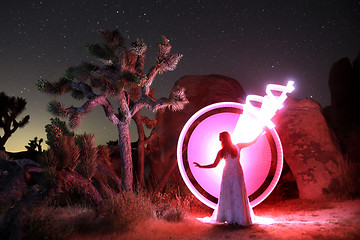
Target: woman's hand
(197,165)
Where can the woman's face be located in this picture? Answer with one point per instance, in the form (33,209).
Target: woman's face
(221,140)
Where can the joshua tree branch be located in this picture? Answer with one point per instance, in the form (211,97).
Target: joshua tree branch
(105,73)
(94,102)
(84,88)
(176,101)
(151,76)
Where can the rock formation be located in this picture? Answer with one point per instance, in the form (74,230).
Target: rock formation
(343,114)
(310,148)
(201,91)
(19,192)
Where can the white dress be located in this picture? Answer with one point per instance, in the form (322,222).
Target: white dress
(233,203)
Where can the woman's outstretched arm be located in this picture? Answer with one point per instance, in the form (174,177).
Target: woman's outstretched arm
(243,145)
(214,164)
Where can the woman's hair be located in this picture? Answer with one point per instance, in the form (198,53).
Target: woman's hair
(228,146)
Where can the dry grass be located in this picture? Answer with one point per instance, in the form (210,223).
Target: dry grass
(123,210)
(136,216)
(293,219)
(346,185)
(56,223)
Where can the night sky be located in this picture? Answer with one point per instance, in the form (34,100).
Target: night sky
(255,42)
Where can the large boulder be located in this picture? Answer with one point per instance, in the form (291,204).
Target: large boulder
(201,91)
(344,84)
(310,148)
(18,194)
(17,177)
(343,115)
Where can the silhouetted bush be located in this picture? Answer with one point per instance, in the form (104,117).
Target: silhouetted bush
(35,145)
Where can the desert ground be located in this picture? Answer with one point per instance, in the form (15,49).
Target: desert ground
(291,219)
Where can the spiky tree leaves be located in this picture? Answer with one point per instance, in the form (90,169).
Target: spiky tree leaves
(10,109)
(63,154)
(122,80)
(80,72)
(58,109)
(67,152)
(112,38)
(165,60)
(88,155)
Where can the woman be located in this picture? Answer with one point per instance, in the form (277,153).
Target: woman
(233,203)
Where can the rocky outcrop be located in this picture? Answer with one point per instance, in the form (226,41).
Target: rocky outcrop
(201,91)
(343,114)
(310,148)
(19,192)
(344,84)
(17,178)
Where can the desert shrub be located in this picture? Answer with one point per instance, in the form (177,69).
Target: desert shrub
(167,207)
(88,155)
(173,204)
(104,154)
(346,185)
(55,130)
(49,160)
(173,214)
(124,209)
(66,153)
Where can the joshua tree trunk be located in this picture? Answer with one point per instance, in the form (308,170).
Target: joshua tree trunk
(3,140)
(125,153)
(140,149)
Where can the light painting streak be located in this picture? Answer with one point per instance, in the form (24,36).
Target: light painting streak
(255,118)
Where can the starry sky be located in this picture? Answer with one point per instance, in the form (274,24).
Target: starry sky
(254,42)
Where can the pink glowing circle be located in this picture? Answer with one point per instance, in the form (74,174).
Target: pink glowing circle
(199,142)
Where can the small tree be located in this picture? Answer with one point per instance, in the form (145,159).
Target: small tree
(121,79)
(34,145)
(10,109)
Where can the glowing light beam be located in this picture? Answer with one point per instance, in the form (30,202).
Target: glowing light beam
(255,117)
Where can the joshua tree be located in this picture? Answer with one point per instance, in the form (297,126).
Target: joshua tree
(34,145)
(10,109)
(121,79)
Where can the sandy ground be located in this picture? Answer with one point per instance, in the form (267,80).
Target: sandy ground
(292,219)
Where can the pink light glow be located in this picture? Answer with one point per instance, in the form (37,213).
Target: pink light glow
(199,142)
(254,117)
(204,144)
(252,158)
